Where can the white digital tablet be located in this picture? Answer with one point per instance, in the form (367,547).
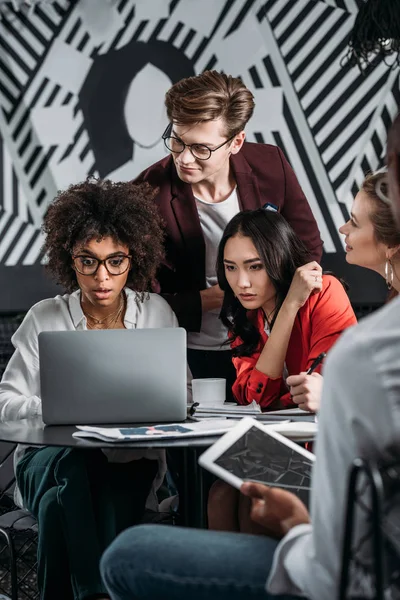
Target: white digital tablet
(252,451)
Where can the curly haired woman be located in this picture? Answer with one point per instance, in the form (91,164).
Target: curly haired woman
(103,240)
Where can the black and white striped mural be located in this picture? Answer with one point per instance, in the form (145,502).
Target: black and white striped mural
(82,85)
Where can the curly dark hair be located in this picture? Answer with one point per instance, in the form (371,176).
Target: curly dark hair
(101,208)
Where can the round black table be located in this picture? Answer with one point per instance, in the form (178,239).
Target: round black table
(33,432)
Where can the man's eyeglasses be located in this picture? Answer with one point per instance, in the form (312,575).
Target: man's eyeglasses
(115,265)
(199,151)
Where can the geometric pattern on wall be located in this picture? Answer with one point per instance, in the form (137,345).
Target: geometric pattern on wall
(330,120)
(341,116)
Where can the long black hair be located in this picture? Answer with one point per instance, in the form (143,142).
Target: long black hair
(281,252)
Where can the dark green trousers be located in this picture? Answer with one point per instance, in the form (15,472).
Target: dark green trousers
(81,502)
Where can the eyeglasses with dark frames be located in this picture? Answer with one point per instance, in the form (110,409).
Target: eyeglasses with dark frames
(199,151)
(115,265)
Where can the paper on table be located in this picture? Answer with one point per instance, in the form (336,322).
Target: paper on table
(160,431)
(289,412)
(229,407)
(301,430)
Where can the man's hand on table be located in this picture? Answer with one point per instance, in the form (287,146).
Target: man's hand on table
(275,509)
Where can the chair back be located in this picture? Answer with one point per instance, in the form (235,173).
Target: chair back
(371,540)
(7,477)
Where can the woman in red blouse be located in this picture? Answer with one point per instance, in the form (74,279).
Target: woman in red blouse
(281,310)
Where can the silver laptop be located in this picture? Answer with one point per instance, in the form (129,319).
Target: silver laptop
(113,376)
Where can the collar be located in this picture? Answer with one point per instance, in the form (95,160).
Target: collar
(74,305)
(239,163)
(183,200)
(246,181)
(79,319)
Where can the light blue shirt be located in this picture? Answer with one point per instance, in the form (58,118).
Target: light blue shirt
(359,417)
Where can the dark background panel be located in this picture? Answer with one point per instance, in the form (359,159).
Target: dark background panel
(365,286)
(21,287)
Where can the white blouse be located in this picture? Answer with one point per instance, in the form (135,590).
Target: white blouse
(20,385)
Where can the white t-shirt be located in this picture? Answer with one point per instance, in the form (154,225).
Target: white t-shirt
(213,219)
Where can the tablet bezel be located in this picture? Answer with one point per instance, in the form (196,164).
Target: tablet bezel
(206,460)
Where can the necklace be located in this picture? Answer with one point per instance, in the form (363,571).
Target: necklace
(101,321)
(109,321)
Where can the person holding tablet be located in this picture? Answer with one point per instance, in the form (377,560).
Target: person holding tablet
(281,311)
(104,243)
(296,555)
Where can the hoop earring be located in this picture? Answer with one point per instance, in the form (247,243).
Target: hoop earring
(389,274)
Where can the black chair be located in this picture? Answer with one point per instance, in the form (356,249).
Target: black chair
(18,529)
(371,562)
(18,537)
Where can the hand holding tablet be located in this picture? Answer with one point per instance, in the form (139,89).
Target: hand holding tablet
(252,451)
(275,509)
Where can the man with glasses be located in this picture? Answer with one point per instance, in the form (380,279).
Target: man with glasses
(211,175)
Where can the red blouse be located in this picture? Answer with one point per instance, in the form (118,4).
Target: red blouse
(317,326)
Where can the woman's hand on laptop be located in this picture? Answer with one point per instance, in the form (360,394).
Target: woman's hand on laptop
(306,390)
(275,509)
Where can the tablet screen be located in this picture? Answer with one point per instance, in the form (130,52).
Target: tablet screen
(259,457)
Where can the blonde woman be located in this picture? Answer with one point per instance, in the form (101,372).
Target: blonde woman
(372,241)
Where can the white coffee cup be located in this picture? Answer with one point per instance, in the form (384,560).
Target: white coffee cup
(210,391)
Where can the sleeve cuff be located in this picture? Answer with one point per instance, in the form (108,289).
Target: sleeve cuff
(289,566)
(259,383)
(37,406)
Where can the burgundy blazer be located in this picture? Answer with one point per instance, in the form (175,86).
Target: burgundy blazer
(262,175)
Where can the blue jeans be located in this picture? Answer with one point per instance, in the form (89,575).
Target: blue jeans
(154,562)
